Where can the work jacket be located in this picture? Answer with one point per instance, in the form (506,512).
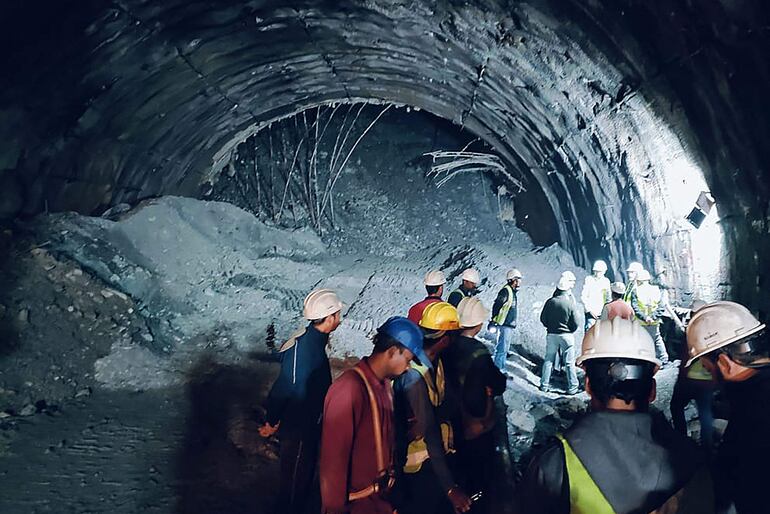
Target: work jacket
(617,463)
(423,421)
(416,310)
(648,301)
(471,370)
(558,315)
(348,461)
(596,292)
(617,308)
(297,396)
(505,310)
(456,296)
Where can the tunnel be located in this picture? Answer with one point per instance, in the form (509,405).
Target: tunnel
(177,175)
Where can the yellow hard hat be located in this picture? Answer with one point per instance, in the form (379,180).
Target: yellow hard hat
(440,316)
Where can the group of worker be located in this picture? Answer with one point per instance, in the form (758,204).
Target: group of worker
(409,428)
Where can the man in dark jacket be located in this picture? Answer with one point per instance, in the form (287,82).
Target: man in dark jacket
(295,402)
(619,458)
(477,381)
(505,311)
(559,318)
(733,345)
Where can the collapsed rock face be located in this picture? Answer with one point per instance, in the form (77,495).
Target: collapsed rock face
(115,104)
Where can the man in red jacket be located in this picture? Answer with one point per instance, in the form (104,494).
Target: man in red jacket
(434,285)
(357,441)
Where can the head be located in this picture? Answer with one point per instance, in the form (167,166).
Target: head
(328,324)
(438,319)
(643,277)
(324,309)
(618,357)
(633,271)
(513,278)
(599,269)
(730,342)
(471,279)
(394,357)
(618,290)
(472,315)
(434,283)
(565,284)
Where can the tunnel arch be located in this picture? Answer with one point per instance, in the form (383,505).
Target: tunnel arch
(556,87)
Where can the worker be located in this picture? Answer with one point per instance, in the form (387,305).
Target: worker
(357,445)
(295,401)
(734,347)
(469,287)
(477,380)
(560,320)
(434,285)
(504,314)
(618,307)
(424,413)
(596,293)
(694,383)
(631,273)
(619,458)
(649,303)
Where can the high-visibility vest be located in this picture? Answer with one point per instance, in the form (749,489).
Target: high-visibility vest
(585,497)
(417,451)
(648,299)
(503,313)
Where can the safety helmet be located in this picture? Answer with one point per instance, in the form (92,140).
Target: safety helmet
(643,276)
(599,266)
(634,267)
(513,274)
(471,312)
(727,325)
(618,288)
(471,275)
(408,334)
(568,275)
(565,284)
(321,303)
(440,316)
(618,338)
(435,278)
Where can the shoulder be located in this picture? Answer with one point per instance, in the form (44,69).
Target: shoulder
(346,387)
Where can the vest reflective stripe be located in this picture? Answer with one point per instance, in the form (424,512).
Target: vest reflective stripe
(417,452)
(585,497)
(697,372)
(500,318)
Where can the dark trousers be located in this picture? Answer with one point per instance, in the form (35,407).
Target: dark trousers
(420,493)
(299,491)
(702,392)
(475,458)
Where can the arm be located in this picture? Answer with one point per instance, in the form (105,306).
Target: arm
(282,389)
(543,315)
(572,321)
(663,306)
(543,490)
(502,296)
(427,426)
(585,294)
(482,374)
(635,306)
(342,410)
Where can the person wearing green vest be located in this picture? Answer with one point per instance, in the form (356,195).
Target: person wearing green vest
(504,314)
(631,272)
(619,458)
(424,411)
(469,287)
(650,303)
(477,381)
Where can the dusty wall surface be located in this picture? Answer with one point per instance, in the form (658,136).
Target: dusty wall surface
(115,103)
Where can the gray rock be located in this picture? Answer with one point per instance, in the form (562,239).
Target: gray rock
(28,410)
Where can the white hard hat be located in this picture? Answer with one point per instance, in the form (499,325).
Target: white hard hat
(471,275)
(618,338)
(565,284)
(435,278)
(635,267)
(717,325)
(643,276)
(471,312)
(618,288)
(321,303)
(568,275)
(599,266)
(513,274)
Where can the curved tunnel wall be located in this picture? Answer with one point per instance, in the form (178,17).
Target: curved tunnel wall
(115,103)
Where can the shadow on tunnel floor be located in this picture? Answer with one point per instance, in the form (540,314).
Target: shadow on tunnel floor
(223,464)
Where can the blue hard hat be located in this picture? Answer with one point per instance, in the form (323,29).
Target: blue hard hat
(408,334)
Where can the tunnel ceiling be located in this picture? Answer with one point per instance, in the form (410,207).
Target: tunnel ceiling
(115,102)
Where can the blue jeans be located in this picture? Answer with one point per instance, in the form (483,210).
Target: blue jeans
(503,344)
(565,343)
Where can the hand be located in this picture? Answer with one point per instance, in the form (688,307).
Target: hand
(492,327)
(488,390)
(460,501)
(268,430)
